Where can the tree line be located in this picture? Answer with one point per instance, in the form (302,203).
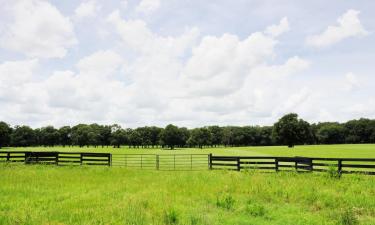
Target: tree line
(288,130)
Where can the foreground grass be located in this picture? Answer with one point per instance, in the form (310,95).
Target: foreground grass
(104,195)
(344,150)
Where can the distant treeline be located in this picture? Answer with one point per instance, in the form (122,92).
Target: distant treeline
(289,130)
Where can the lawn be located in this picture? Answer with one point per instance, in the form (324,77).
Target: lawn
(110,195)
(344,150)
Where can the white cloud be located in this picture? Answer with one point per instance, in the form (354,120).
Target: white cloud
(148,6)
(86,9)
(276,30)
(351,82)
(349,25)
(38,29)
(100,63)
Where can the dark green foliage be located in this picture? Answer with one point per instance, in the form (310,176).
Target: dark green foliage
(171,136)
(23,136)
(5,132)
(290,130)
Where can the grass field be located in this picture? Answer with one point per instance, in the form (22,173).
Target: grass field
(345,150)
(83,195)
(110,195)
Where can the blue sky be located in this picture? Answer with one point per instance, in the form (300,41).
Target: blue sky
(191,63)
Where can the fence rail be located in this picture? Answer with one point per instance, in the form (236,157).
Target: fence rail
(299,164)
(162,161)
(58,158)
(195,161)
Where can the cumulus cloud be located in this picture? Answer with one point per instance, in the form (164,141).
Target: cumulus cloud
(148,6)
(146,78)
(276,30)
(348,25)
(87,9)
(38,29)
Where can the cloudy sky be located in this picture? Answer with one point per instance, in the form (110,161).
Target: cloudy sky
(191,63)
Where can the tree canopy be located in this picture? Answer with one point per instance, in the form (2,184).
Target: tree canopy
(289,130)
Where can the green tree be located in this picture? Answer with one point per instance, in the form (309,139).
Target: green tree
(22,136)
(290,130)
(5,132)
(171,136)
(49,136)
(330,133)
(65,136)
(80,135)
(200,137)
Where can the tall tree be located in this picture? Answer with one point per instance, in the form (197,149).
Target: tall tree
(5,132)
(171,136)
(65,136)
(22,136)
(290,130)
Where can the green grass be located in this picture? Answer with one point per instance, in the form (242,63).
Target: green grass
(111,195)
(345,150)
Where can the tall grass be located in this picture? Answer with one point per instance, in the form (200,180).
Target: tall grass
(102,195)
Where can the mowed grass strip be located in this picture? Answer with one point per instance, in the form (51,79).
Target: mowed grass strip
(335,151)
(110,195)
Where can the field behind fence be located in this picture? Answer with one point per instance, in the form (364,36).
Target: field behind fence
(195,161)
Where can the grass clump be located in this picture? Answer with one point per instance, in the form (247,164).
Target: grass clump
(225,201)
(171,217)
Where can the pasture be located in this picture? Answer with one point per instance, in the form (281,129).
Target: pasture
(41,194)
(110,195)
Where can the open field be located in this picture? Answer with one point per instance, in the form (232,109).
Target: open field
(110,195)
(344,150)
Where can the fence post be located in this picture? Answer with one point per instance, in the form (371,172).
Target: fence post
(110,159)
(210,161)
(8,156)
(81,159)
(238,164)
(141,161)
(339,167)
(157,162)
(57,159)
(126,161)
(276,164)
(191,162)
(174,162)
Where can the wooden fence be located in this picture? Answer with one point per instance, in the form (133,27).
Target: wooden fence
(195,161)
(299,164)
(58,158)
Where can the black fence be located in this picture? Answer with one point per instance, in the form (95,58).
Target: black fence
(299,164)
(58,158)
(195,161)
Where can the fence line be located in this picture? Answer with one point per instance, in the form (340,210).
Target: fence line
(58,158)
(195,161)
(299,164)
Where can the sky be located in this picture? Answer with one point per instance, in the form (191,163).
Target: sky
(191,63)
